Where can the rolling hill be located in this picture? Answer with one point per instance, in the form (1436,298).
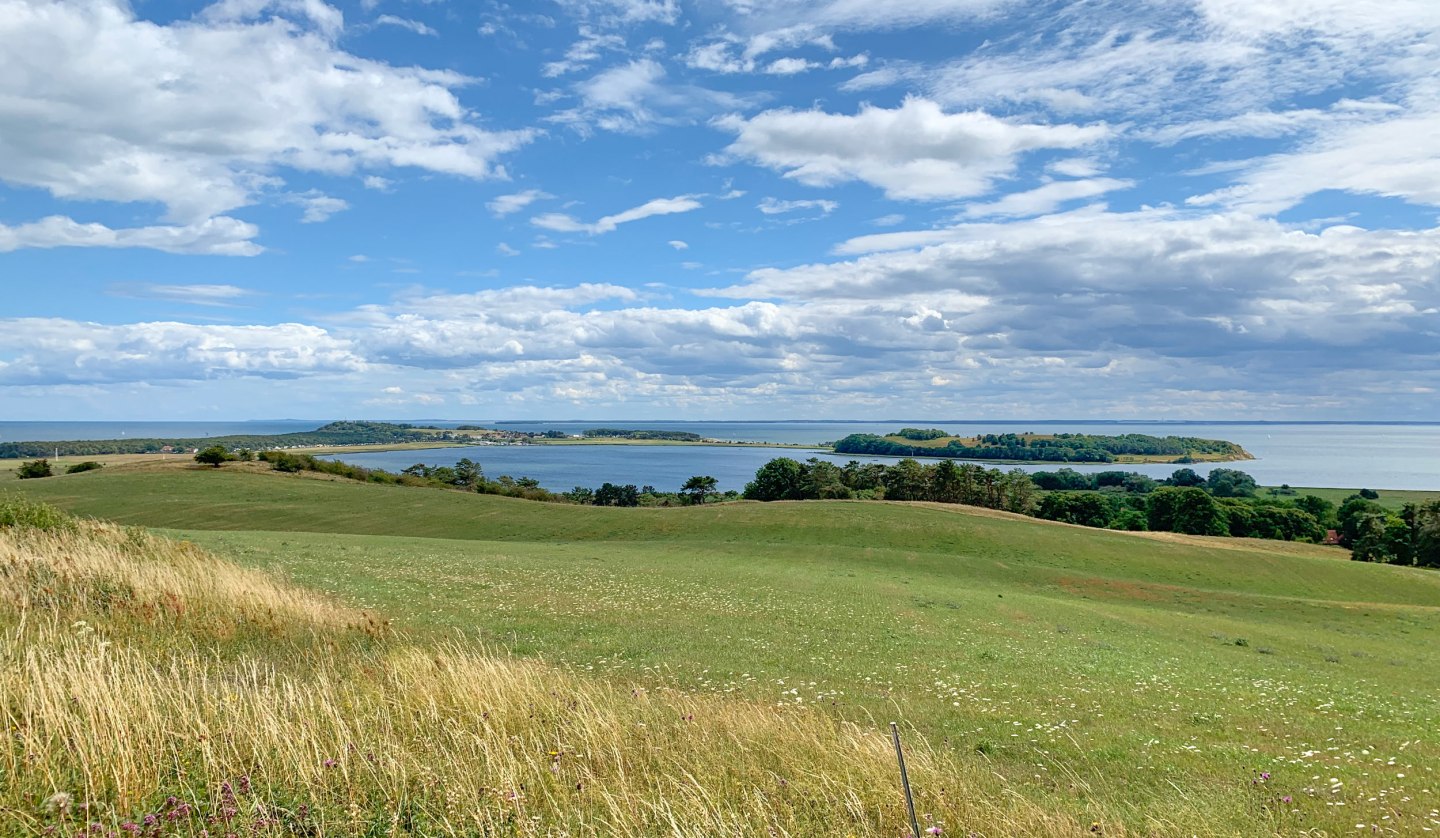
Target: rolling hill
(1147,683)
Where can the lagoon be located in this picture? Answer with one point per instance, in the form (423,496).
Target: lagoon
(1392,456)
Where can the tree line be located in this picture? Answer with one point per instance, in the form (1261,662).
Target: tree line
(468,476)
(1066,447)
(1375,534)
(944,482)
(1224,503)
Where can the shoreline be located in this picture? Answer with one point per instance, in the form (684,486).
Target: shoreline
(789,446)
(1389,498)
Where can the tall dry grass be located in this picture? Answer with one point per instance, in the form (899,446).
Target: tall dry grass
(148,688)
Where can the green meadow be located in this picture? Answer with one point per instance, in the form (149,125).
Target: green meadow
(1149,684)
(1389,498)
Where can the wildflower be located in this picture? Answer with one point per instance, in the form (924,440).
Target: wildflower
(58,803)
(1285,799)
(933,830)
(329,763)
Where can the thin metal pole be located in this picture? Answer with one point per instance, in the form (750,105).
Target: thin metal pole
(905,780)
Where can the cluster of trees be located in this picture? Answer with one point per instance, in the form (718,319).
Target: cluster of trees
(699,489)
(943,482)
(921,434)
(1221,482)
(1375,534)
(1222,503)
(1143,444)
(1188,509)
(1074,448)
(335,433)
(42,468)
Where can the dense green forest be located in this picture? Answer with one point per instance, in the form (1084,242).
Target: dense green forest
(944,482)
(335,433)
(1059,448)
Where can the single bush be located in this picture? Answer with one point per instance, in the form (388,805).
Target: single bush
(281,461)
(88,465)
(34,469)
(213,456)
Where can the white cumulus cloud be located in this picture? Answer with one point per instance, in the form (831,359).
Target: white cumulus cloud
(202,116)
(915,151)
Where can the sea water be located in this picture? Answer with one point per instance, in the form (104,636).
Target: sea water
(1381,456)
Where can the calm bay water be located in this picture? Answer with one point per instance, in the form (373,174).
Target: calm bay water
(1352,456)
(1385,456)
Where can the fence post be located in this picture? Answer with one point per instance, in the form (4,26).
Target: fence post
(904,780)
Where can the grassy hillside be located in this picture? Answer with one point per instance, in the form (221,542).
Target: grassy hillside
(148,688)
(1142,681)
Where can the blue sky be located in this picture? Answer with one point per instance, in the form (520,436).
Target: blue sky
(1211,209)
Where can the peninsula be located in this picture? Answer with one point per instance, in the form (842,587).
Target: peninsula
(1044,448)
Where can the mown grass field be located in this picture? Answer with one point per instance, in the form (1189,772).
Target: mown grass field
(1148,683)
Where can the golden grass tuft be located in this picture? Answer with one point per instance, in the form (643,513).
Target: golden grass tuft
(143,677)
